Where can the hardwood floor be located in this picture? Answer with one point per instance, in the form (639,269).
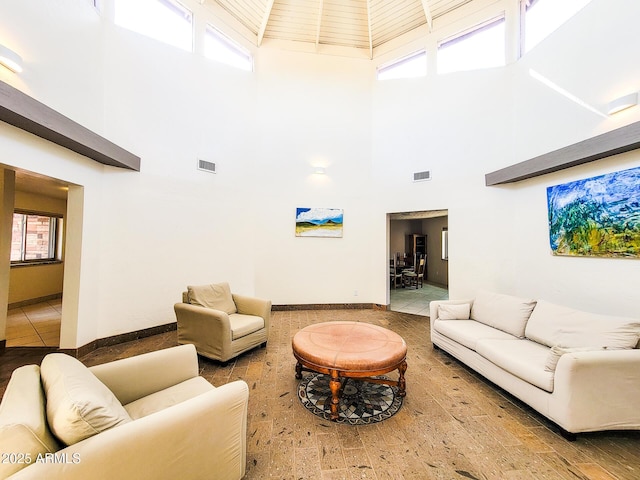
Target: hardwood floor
(453,424)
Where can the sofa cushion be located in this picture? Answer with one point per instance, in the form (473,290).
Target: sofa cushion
(168,397)
(454,311)
(242,325)
(558,325)
(557,351)
(468,332)
(504,312)
(522,358)
(78,404)
(23,421)
(217,296)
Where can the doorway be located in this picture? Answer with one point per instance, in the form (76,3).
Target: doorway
(36,271)
(403,229)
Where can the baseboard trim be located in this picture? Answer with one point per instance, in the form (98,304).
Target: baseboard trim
(118,339)
(168,327)
(33,301)
(324,306)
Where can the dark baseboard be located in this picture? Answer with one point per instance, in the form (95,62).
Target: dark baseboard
(33,301)
(324,306)
(148,332)
(118,339)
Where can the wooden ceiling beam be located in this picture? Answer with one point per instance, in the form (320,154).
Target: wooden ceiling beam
(427,13)
(265,21)
(319,23)
(369,29)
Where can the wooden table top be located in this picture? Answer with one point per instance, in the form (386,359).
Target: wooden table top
(349,346)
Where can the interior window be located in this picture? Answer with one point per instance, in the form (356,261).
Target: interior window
(164,20)
(482,46)
(34,237)
(541,17)
(414,65)
(219,47)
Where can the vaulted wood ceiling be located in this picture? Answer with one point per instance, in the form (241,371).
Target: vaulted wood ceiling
(362,24)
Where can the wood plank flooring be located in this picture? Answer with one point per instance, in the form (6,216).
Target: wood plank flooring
(453,424)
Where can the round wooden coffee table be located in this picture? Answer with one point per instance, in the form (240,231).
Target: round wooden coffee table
(350,350)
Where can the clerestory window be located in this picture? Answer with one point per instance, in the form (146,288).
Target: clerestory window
(165,20)
(482,46)
(541,17)
(410,66)
(219,47)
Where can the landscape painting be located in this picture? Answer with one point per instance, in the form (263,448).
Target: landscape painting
(596,217)
(319,222)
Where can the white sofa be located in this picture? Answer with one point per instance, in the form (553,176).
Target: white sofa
(579,369)
(145,417)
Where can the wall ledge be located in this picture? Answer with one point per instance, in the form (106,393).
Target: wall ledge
(620,140)
(28,114)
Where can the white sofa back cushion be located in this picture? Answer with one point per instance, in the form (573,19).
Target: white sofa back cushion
(216,295)
(504,312)
(567,327)
(78,404)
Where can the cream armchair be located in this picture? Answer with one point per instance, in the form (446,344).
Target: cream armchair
(220,324)
(145,417)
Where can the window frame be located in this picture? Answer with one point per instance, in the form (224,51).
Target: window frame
(55,238)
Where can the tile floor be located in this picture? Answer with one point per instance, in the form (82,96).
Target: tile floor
(453,425)
(416,301)
(35,325)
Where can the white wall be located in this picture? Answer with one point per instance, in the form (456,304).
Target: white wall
(464,125)
(147,235)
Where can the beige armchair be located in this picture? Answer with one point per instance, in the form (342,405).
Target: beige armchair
(220,324)
(145,417)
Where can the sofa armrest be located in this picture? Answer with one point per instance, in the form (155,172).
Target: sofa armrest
(200,325)
(580,380)
(253,306)
(136,377)
(194,439)
(433,306)
(433,309)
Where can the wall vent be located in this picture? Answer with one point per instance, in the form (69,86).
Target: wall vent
(206,166)
(422,176)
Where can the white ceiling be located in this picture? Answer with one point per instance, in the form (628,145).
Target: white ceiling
(362,24)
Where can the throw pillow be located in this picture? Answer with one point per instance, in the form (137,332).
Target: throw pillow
(216,296)
(78,404)
(504,312)
(557,351)
(451,311)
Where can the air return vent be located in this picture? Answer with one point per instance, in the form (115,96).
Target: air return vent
(206,166)
(422,176)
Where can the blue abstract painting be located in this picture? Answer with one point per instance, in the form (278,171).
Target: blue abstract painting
(319,222)
(598,216)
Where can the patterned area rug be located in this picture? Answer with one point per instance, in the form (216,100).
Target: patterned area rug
(361,403)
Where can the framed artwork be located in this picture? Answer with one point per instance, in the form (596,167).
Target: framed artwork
(319,222)
(596,217)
